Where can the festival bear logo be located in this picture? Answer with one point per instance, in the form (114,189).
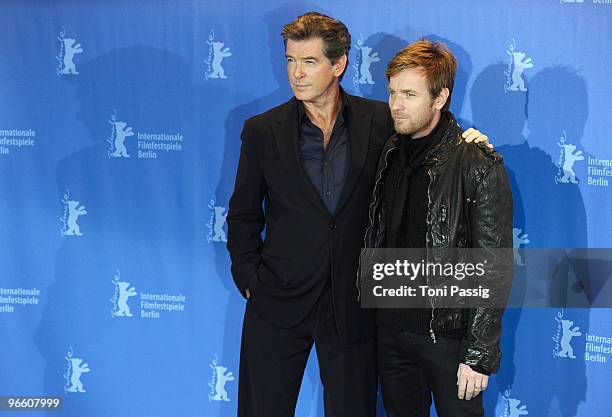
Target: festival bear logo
(509,407)
(222,378)
(219,52)
(218,232)
(569,159)
(520,65)
(367,58)
(216,222)
(219,379)
(518,238)
(74,211)
(68,49)
(515,409)
(568,333)
(120,132)
(123,292)
(76,368)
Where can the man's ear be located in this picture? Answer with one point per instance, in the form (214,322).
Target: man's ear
(440,101)
(340,65)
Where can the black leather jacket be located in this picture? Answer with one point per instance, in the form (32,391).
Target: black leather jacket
(470,205)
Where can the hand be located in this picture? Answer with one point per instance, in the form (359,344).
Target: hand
(469,382)
(473,135)
(248,294)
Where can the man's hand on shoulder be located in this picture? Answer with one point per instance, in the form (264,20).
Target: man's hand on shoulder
(476,136)
(469,382)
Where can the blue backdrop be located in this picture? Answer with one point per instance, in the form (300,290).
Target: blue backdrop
(119,139)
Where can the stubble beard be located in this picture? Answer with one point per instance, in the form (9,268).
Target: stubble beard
(412,126)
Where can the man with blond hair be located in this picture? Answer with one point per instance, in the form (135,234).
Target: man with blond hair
(434,191)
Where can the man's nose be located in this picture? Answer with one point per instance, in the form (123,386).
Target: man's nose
(298,71)
(396,104)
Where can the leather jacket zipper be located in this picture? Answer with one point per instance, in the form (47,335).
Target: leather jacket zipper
(432,334)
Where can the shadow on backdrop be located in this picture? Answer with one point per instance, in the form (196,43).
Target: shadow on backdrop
(546,214)
(140,220)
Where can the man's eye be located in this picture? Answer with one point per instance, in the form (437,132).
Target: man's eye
(409,94)
(290,60)
(310,62)
(391,93)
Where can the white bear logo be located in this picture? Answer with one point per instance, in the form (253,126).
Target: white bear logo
(569,159)
(568,334)
(121,133)
(74,211)
(70,49)
(520,65)
(77,367)
(219,52)
(515,410)
(219,233)
(517,241)
(125,292)
(221,378)
(366,60)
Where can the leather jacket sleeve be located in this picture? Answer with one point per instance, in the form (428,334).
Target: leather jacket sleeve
(490,219)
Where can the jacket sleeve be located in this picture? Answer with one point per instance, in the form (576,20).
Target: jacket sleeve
(245,219)
(490,218)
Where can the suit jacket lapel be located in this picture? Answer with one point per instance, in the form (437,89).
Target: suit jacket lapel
(360,123)
(286,135)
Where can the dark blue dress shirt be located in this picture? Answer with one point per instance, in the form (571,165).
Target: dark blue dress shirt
(327,167)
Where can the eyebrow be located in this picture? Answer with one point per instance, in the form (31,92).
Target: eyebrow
(304,58)
(408,90)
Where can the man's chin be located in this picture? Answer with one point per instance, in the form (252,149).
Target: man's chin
(401,129)
(300,95)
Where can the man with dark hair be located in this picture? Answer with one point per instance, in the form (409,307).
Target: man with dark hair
(312,160)
(434,190)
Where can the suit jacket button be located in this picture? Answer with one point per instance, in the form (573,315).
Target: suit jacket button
(332,226)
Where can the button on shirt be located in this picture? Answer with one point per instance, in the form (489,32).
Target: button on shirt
(327,168)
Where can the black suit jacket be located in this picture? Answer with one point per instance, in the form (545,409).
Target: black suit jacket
(304,244)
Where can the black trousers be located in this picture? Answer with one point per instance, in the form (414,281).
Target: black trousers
(273,359)
(412,368)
